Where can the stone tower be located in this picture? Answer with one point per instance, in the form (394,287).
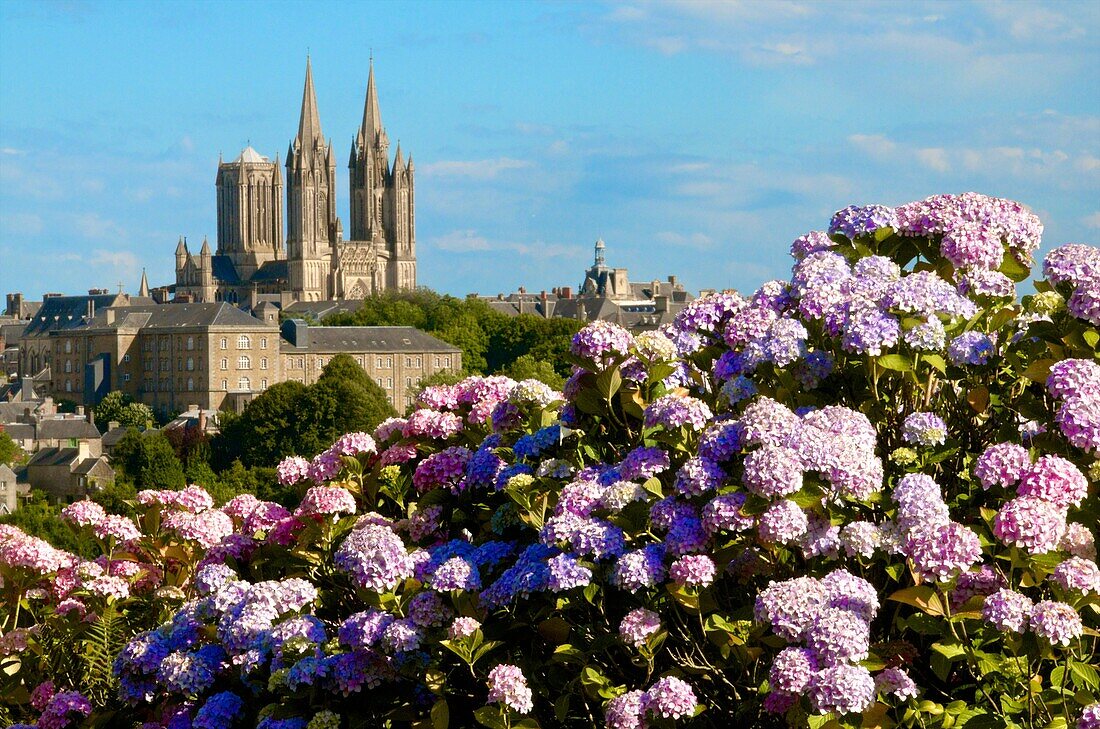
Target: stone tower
(382,196)
(312,227)
(250,211)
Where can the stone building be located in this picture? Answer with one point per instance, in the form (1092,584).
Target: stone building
(68,473)
(317,263)
(605,293)
(396,358)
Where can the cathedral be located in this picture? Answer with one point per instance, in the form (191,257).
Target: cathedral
(316,263)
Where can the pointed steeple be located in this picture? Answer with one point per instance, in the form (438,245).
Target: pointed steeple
(371,131)
(309,125)
(205,252)
(143,290)
(181,247)
(398,162)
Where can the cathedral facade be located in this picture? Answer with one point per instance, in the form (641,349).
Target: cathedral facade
(316,263)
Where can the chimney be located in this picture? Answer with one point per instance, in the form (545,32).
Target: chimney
(82,450)
(545,306)
(91,309)
(27,415)
(672,280)
(110,315)
(202,421)
(80,410)
(113,425)
(660,303)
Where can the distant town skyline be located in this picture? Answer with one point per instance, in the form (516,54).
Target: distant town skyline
(696,138)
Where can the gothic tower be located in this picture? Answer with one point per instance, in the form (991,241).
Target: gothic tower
(382,196)
(250,211)
(312,227)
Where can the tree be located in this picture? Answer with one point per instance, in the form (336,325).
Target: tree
(267,431)
(343,400)
(9,449)
(148,460)
(119,407)
(527,367)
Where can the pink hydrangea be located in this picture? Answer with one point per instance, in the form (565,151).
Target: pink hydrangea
(120,528)
(292,470)
(83,513)
(637,625)
(1054,479)
(1034,524)
(1077,574)
(1002,464)
(508,685)
(432,424)
(670,698)
(1057,622)
(325,501)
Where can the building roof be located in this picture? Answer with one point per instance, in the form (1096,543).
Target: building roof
(251,156)
(272,271)
(67,312)
(368,339)
(112,437)
(215,314)
(19,431)
(53,457)
(224,270)
(320,309)
(88,464)
(68,428)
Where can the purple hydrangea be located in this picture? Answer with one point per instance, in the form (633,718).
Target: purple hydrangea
(639,568)
(1071,263)
(601,339)
(772,471)
(326,500)
(626,711)
(842,689)
(897,683)
(444,469)
(673,411)
(789,606)
(860,538)
(566,573)
(926,429)
(695,570)
(643,463)
(508,685)
(1007,610)
(856,221)
(782,523)
(792,670)
(940,552)
(670,698)
(1002,464)
(637,625)
(1054,479)
(375,558)
(1034,524)
(970,348)
(1057,622)
(724,513)
(1077,574)
(812,242)
(698,476)
(835,637)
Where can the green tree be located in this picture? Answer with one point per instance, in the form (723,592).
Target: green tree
(527,367)
(120,407)
(148,460)
(267,431)
(343,400)
(10,451)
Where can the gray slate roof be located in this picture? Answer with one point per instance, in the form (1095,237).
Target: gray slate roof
(370,339)
(69,428)
(53,457)
(320,309)
(65,312)
(224,270)
(178,315)
(19,431)
(272,271)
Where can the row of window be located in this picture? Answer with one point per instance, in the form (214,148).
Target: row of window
(243,342)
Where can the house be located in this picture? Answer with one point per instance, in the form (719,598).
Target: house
(68,473)
(10,490)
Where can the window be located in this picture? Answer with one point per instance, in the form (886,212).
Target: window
(447,361)
(125,358)
(244,384)
(437,365)
(389,383)
(263,342)
(243,342)
(190,364)
(263,363)
(301,363)
(126,377)
(190,384)
(408,382)
(419,362)
(408,361)
(263,384)
(244,363)
(225,343)
(68,346)
(378,380)
(225,384)
(68,365)
(359,360)
(378,362)
(68,385)
(225,363)
(190,343)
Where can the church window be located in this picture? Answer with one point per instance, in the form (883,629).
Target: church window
(225,343)
(68,365)
(244,363)
(263,363)
(68,346)
(190,364)
(190,384)
(190,342)
(243,342)
(225,363)
(68,385)
(244,384)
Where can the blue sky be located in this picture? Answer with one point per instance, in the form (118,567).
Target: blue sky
(697,139)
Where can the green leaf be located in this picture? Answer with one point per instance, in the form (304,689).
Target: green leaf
(653,486)
(441,714)
(936,361)
(1084,676)
(923,597)
(608,382)
(490,716)
(1091,337)
(1014,269)
(896,362)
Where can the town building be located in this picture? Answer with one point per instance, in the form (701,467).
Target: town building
(604,293)
(314,262)
(68,473)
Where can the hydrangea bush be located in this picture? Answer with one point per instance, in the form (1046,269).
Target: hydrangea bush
(861,497)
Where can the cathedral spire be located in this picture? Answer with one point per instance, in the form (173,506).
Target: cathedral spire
(309,125)
(371,131)
(143,290)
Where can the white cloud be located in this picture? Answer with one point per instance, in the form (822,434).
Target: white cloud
(123,263)
(460,241)
(484,169)
(11,151)
(876,145)
(1092,221)
(20,224)
(692,240)
(93,225)
(935,158)
(993,161)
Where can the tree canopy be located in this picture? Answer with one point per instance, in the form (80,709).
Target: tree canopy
(119,407)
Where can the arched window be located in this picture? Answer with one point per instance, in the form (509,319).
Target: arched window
(68,365)
(225,342)
(244,384)
(68,385)
(225,363)
(190,364)
(244,363)
(225,384)
(243,342)
(68,346)
(263,363)
(190,384)
(190,342)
